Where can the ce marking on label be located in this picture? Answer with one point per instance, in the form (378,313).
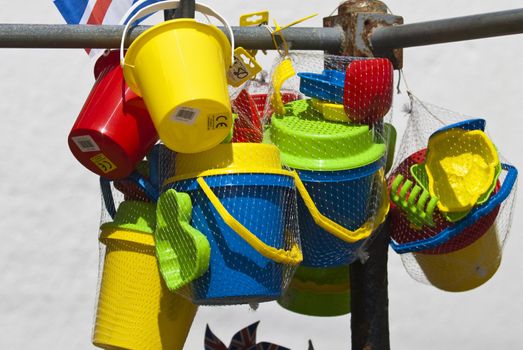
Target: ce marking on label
(221,122)
(105,166)
(103,163)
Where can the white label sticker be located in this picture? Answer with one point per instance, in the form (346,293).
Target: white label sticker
(86,143)
(186,115)
(244,68)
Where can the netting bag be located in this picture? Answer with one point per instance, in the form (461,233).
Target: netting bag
(227,231)
(227,228)
(453,196)
(135,309)
(333,139)
(248,105)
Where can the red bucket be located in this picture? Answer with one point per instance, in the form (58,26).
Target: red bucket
(113,131)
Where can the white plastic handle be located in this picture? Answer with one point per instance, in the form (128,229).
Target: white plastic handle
(167,5)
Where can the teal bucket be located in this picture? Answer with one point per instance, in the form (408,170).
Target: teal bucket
(351,191)
(237,273)
(239,270)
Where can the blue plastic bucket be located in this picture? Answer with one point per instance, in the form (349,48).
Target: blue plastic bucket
(237,273)
(343,197)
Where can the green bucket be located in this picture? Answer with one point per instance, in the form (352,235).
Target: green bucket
(319,292)
(309,142)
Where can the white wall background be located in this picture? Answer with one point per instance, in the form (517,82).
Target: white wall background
(50,205)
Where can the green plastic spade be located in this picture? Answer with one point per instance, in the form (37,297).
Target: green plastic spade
(183,252)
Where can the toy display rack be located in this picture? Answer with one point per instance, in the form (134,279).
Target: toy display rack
(361,28)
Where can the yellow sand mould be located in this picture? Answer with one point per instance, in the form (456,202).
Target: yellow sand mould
(461,167)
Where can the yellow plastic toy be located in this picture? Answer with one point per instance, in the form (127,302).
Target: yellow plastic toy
(283,71)
(254,19)
(461,167)
(332,227)
(179,68)
(464,269)
(278,28)
(233,158)
(330,111)
(135,309)
(244,67)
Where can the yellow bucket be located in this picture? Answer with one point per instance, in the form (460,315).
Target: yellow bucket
(135,309)
(179,68)
(464,269)
(230,158)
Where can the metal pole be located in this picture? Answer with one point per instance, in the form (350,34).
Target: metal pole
(448,30)
(109,36)
(331,39)
(369,296)
(169,14)
(186,9)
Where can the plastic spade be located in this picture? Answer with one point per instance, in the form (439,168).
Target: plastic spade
(368,90)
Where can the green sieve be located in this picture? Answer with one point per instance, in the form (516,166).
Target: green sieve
(309,142)
(319,292)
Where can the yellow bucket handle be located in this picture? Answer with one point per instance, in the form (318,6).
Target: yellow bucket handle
(167,5)
(336,229)
(287,257)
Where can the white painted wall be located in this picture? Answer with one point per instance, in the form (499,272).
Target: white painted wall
(50,205)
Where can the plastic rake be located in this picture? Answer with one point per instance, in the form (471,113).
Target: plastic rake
(414,201)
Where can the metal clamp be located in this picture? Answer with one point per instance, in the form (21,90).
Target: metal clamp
(359,19)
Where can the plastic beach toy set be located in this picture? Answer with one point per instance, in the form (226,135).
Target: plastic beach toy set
(221,189)
(452,197)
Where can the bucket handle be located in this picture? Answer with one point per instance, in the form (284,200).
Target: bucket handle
(107,196)
(167,5)
(287,257)
(336,229)
(476,214)
(149,188)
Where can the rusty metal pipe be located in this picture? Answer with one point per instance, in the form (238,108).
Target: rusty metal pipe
(448,30)
(186,9)
(109,36)
(329,39)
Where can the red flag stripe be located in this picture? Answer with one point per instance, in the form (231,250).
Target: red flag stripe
(99,10)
